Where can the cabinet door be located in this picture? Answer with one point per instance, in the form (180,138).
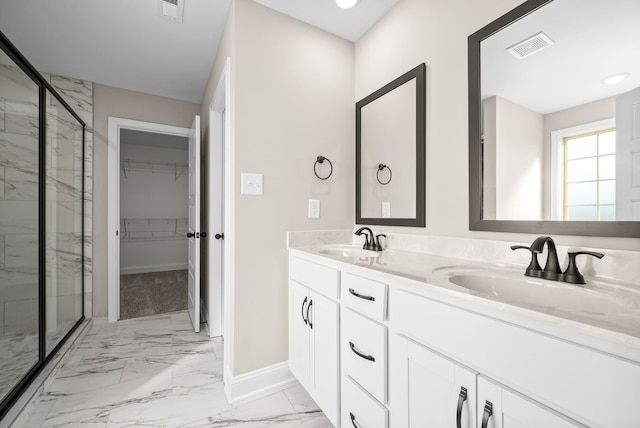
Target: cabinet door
(499,407)
(299,333)
(428,390)
(323,324)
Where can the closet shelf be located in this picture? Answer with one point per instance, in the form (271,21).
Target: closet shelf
(175,168)
(153,229)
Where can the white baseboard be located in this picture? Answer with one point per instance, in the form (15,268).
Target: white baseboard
(153,268)
(257,384)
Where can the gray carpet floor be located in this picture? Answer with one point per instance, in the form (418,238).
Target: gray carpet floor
(145,294)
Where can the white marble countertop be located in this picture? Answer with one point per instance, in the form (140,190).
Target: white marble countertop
(425,274)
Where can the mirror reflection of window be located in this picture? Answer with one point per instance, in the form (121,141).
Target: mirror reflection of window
(590,176)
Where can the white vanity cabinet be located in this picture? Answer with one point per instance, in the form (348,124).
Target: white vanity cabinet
(363,352)
(429,390)
(531,379)
(499,407)
(314,332)
(376,350)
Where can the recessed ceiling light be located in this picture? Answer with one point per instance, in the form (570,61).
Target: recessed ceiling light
(346,4)
(615,78)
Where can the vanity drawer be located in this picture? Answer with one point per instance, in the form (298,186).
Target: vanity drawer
(360,409)
(364,295)
(364,353)
(322,279)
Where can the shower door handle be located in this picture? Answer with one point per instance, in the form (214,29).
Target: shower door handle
(219,236)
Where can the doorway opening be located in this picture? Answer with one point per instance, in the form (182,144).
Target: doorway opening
(153,223)
(149,229)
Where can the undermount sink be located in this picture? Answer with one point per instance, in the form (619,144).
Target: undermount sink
(547,295)
(349,251)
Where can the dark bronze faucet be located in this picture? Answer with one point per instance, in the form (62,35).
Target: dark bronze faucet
(552,269)
(371,242)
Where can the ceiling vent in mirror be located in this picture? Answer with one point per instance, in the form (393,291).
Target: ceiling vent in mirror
(530,46)
(171,10)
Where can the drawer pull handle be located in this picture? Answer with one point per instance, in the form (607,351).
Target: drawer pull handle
(352,291)
(461,399)
(308,309)
(304,302)
(353,420)
(488,411)
(360,354)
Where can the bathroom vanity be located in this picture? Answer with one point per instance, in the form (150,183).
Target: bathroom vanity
(398,339)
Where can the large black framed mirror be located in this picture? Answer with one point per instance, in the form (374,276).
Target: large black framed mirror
(390,153)
(554,120)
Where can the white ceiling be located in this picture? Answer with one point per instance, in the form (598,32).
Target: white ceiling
(126,44)
(593,39)
(350,24)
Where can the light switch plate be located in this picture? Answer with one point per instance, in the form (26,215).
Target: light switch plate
(386,209)
(314,208)
(251,184)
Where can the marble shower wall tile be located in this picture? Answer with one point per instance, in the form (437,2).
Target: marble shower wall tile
(1,115)
(21,250)
(18,217)
(21,118)
(64,154)
(2,185)
(16,85)
(21,317)
(18,151)
(18,284)
(20,184)
(63,216)
(2,252)
(78,94)
(64,186)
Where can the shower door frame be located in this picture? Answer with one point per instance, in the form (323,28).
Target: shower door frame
(18,390)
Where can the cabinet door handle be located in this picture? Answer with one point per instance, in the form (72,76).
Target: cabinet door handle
(304,302)
(488,411)
(308,309)
(360,354)
(352,291)
(353,420)
(461,399)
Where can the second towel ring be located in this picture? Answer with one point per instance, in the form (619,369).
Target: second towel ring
(321,159)
(381,167)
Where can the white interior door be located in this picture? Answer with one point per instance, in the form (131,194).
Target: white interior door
(628,156)
(194,224)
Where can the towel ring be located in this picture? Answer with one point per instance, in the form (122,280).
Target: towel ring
(321,159)
(381,167)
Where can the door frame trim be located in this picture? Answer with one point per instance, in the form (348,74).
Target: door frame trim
(218,304)
(113,200)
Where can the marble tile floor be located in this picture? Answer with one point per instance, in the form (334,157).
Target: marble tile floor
(156,372)
(18,353)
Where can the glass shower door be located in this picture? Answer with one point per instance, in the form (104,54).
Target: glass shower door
(19,224)
(64,202)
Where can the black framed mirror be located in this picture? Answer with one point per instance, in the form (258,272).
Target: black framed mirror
(552,146)
(390,152)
